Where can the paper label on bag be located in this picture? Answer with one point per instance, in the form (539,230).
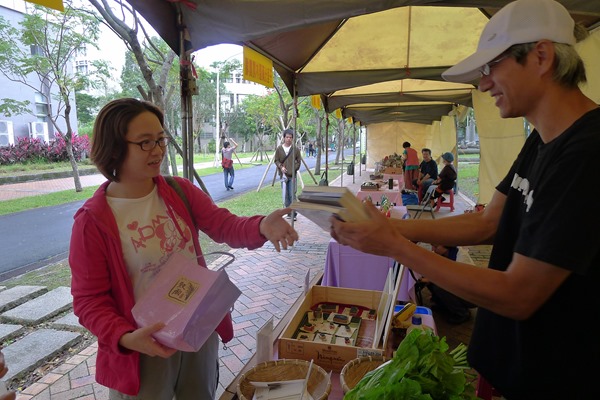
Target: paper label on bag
(183,291)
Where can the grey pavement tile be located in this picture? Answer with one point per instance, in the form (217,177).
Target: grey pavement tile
(32,350)
(69,321)
(41,308)
(18,295)
(9,331)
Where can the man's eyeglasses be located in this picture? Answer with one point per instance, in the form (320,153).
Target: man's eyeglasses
(148,145)
(486,69)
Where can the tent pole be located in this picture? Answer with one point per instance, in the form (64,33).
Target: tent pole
(353,148)
(183,71)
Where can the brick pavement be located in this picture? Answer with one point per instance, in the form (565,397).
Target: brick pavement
(270,283)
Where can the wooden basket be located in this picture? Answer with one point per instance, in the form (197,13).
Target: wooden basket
(319,384)
(356,369)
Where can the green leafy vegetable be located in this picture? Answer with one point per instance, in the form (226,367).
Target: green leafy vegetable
(422,369)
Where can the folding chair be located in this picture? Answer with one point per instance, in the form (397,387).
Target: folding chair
(425,204)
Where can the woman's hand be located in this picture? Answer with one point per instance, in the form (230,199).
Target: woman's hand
(141,340)
(277,230)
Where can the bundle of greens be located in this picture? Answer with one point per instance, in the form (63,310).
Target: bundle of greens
(421,369)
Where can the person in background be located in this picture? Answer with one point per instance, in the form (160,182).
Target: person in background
(428,171)
(411,166)
(227,163)
(3,371)
(311,149)
(537,326)
(446,179)
(122,237)
(288,167)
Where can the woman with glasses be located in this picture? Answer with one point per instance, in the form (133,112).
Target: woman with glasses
(122,237)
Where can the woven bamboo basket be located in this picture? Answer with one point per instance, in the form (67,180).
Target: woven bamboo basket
(319,384)
(356,369)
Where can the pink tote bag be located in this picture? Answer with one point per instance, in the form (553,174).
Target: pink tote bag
(190,299)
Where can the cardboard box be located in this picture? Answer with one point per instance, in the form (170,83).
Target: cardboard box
(392,170)
(326,355)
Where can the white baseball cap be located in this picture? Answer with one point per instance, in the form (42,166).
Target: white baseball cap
(522,21)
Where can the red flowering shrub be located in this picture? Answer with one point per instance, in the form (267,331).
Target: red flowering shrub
(33,149)
(57,149)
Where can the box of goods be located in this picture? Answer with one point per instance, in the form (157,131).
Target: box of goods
(392,170)
(369,186)
(335,325)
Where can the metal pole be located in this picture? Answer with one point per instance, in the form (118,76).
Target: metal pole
(217,119)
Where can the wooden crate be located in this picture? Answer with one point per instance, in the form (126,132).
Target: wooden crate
(327,355)
(370,187)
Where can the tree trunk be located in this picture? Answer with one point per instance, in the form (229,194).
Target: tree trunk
(76,179)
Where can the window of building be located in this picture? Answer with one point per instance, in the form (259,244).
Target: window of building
(81,51)
(41,106)
(81,67)
(36,50)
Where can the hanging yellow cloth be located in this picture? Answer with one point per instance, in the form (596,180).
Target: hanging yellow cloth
(54,4)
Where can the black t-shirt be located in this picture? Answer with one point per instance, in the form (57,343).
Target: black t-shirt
(429,167)
(550,216)
(447,177)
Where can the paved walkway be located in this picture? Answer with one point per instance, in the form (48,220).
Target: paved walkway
(270,283)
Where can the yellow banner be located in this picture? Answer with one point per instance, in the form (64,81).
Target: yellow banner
(257,68)
(54,4)
(338,113)
(315,101)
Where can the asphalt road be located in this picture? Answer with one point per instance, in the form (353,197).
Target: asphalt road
(35,238)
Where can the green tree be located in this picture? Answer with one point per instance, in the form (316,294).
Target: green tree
(43,46)
(131,77)
(154,62)
(86,107)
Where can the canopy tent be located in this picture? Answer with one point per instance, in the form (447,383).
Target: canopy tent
(328,47)
(292,32)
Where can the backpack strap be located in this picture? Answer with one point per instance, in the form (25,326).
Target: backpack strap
(225,327)
(177,188)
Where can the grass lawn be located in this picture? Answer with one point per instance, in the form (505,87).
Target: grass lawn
(468,180)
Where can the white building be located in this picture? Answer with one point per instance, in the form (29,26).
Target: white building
(35,124)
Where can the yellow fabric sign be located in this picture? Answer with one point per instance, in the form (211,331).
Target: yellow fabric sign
(257,68)
(315,101)
(54,4)
(338,113)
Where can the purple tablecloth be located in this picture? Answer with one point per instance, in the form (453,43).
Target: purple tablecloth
(350,268)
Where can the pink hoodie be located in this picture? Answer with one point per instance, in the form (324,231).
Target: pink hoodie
(101,287)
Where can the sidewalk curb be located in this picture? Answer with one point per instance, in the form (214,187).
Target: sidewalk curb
(41,176)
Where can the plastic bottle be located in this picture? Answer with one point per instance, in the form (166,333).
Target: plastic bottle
(416,323)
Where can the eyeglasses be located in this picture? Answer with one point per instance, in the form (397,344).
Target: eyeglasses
(486,69)
(148,145)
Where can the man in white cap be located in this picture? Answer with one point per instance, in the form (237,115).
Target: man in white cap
(537,330)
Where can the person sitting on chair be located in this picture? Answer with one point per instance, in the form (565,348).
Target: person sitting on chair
(428,171)
(446,179)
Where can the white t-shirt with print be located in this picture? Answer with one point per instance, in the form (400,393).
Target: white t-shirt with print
(148,237)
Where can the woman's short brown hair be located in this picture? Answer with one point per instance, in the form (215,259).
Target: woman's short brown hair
(109,147)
